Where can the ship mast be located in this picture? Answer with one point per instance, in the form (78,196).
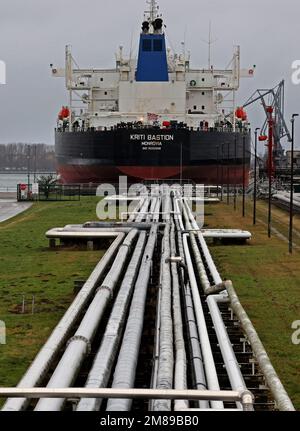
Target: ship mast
(153,9)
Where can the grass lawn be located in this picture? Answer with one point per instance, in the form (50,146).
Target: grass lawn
(265,276)
(28,267)
(267,280)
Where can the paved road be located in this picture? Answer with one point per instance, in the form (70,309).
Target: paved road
(10,208)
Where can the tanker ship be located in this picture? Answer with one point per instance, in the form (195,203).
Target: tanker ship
(153,117)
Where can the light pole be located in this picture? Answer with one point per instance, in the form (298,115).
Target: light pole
(35,165)
(235,169)
(181,162)
(244,174)
(228,154)
(28,168)
(270,111)
(255,179)
(218,169)
(292,185)
(222,171)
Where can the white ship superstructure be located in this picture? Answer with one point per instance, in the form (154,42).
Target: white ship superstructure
(108,97)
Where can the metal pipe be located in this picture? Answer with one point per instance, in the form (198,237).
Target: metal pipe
(157,324)
(141,215)
(226,234)
(232,366)
(124,375)
(166,355)
(205,250)
(280,395)
(209,364)
(43,361)
(138,207)
(180,372)
(114,225)
(150,215)
(79,346)
(100,372)
(197,256)
(193,336)
(172,394)
(60,234)
(157,211)
(156,345)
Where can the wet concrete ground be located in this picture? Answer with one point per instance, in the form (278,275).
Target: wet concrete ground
(10,208)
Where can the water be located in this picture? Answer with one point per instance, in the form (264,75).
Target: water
(9,182)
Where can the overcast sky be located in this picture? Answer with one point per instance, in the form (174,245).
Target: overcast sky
(33,34)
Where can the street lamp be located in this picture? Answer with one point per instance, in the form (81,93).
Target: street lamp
(255,179)
(292,185)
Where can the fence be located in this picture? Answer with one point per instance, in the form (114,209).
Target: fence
(57,192)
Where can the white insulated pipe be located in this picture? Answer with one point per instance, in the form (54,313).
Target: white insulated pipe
(43,361)
(166,354)
(283,401)
(125,371)
(209,260)
(209,363)
(195,349)
(100,372)
(79,346)
(232,366)
(180,371)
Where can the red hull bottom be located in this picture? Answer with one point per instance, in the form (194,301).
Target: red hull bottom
(210,174)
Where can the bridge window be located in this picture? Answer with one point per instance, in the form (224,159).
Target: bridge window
(157,45)
(147,45)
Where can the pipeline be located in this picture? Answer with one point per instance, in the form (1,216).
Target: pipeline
(232,367)
(45,358)
(184,255)
(206,253)
(197,256)
(100,372)
(280,395)
(79,346)
(193,336)
(143,210)
(180,380)
(166,357)
(125,370)
(209,364)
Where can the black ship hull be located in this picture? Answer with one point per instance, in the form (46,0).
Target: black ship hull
(205,157)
